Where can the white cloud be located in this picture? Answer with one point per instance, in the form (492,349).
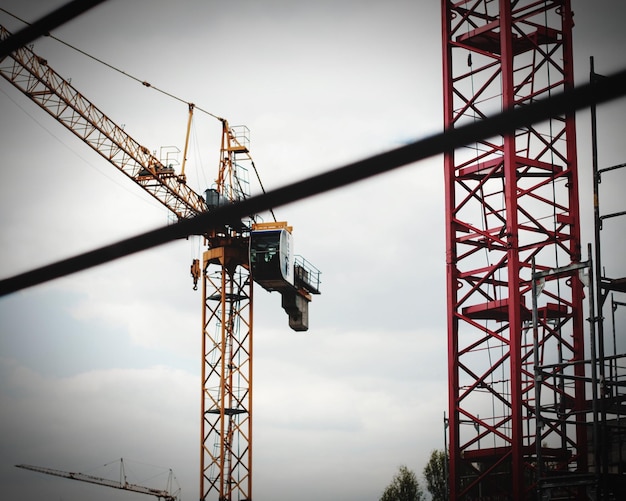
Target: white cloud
(145,308)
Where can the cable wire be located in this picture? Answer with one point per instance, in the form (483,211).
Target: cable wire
(118,70)
(611,87)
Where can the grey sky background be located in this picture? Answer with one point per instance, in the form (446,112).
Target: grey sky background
(106,363)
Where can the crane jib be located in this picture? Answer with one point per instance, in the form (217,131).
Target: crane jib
(33,76)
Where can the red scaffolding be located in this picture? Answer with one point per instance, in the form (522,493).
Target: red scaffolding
(510,200)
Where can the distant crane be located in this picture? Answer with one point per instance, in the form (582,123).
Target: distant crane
(165,495)
(227,268)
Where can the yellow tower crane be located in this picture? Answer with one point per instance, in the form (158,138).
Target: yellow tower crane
(237,253)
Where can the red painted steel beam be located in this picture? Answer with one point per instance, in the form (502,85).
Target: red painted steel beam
(509,201)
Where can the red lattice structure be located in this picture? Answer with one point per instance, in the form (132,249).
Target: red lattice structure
(510,200)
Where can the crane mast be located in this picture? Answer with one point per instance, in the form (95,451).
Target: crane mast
(226,398)
(225,271)
(122,485)
(511,204)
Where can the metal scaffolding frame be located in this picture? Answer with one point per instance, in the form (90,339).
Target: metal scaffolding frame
(608,443)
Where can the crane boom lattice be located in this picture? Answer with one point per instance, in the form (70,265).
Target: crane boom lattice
(32,75)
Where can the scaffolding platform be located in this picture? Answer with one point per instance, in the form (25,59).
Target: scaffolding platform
(487,39)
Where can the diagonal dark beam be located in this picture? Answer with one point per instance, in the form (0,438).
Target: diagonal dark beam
(46,24)
(578,98)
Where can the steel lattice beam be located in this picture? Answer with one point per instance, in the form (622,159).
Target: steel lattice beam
(226,403)
(55,95)
(509,199)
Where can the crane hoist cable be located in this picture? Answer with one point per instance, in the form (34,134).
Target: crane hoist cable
(114,68)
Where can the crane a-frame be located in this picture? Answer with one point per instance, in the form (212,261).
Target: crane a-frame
(227,275)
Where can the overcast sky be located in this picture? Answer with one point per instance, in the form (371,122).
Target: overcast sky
(106,363)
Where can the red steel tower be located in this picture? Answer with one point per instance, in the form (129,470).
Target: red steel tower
(511,200)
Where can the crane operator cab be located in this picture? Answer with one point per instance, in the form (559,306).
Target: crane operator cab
(271,256)
(275,268)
